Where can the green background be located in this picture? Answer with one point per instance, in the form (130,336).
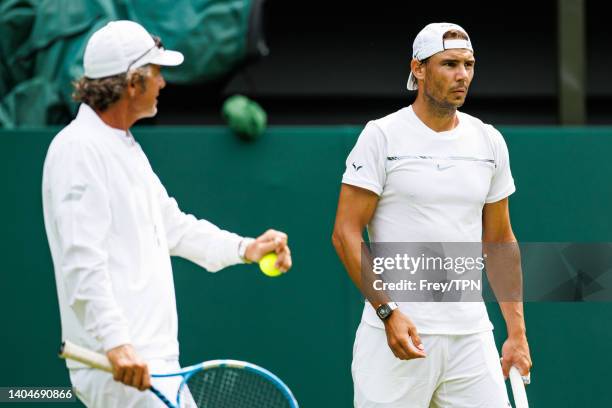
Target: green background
(301,326)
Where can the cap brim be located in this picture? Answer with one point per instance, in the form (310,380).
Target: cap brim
(412,83)
(167,58)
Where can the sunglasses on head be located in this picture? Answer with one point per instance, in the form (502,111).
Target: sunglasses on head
(157,44)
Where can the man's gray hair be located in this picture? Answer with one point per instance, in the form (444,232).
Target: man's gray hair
(100,93)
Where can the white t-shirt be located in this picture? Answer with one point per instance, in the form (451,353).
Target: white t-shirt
(432,187)
(112,228)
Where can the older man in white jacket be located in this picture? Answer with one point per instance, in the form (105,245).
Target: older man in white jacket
(112,226)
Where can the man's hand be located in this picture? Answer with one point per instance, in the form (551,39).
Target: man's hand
(271,241)
(128,368)
(515,352)
(402,337)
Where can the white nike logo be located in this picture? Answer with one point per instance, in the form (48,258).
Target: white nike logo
(441,168)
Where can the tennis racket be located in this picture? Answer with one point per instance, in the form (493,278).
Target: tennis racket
(211,384)
(518,388)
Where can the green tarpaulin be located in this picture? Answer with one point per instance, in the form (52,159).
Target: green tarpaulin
(42,44)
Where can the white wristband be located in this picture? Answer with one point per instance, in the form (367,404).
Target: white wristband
(242,247)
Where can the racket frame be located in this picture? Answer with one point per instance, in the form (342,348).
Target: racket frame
(99,361)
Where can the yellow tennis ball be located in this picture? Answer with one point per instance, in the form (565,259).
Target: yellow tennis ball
(266,264)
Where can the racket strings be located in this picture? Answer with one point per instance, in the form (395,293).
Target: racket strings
(227,387)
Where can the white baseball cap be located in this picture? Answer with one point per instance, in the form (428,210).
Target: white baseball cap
(429,41)
(124,44)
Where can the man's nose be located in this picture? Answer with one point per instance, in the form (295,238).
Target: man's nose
(462,73)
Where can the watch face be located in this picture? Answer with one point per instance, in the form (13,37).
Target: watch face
(383,311)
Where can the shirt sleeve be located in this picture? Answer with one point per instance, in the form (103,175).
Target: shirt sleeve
(502,183)
(82,217)
(365,165)
(195,239)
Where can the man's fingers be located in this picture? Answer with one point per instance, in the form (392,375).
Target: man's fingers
(416,340)
(401,353)
(128,368)
(271,235)
(413,343)
(284,261)
(287,264)
(143,380)
(506,364)
(146,378)
(128,376)
(118,373)
(403,338)
(409,352)
(404,350)
(524,366)
(136,375)
(273,241)
(398,350)
(266,247)
(412,351)
(281,246)
(137,379)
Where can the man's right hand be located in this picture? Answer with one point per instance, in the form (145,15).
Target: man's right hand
(128,368)
(402,337)
(271,241)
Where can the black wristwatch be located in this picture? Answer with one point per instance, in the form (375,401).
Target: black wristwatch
(384,311)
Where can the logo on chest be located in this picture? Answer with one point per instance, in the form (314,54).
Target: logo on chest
(442,167)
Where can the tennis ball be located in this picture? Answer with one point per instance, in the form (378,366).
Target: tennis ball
(266,264)
(245,117)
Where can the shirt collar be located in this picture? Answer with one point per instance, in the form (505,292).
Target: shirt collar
(91,118)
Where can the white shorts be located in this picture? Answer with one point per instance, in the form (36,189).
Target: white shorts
(98,389)
(459,371)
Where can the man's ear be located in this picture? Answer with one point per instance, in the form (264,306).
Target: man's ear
(417,68)
(132,83)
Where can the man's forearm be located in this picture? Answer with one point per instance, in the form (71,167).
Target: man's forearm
(348,248)
(514,317)
(351,251)
(506,278)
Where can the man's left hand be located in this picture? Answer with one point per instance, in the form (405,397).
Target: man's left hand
(271,241)
(515,352)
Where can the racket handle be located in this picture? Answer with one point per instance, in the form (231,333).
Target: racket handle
(77,353)
(518,388)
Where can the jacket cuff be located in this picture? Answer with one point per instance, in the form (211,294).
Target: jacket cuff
(115,339)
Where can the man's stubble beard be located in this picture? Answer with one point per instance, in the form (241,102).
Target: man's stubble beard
(440,107)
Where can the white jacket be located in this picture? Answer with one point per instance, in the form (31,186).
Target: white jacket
(112,228)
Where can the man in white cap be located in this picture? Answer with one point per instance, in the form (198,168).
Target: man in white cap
(425,174)
(112,226)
